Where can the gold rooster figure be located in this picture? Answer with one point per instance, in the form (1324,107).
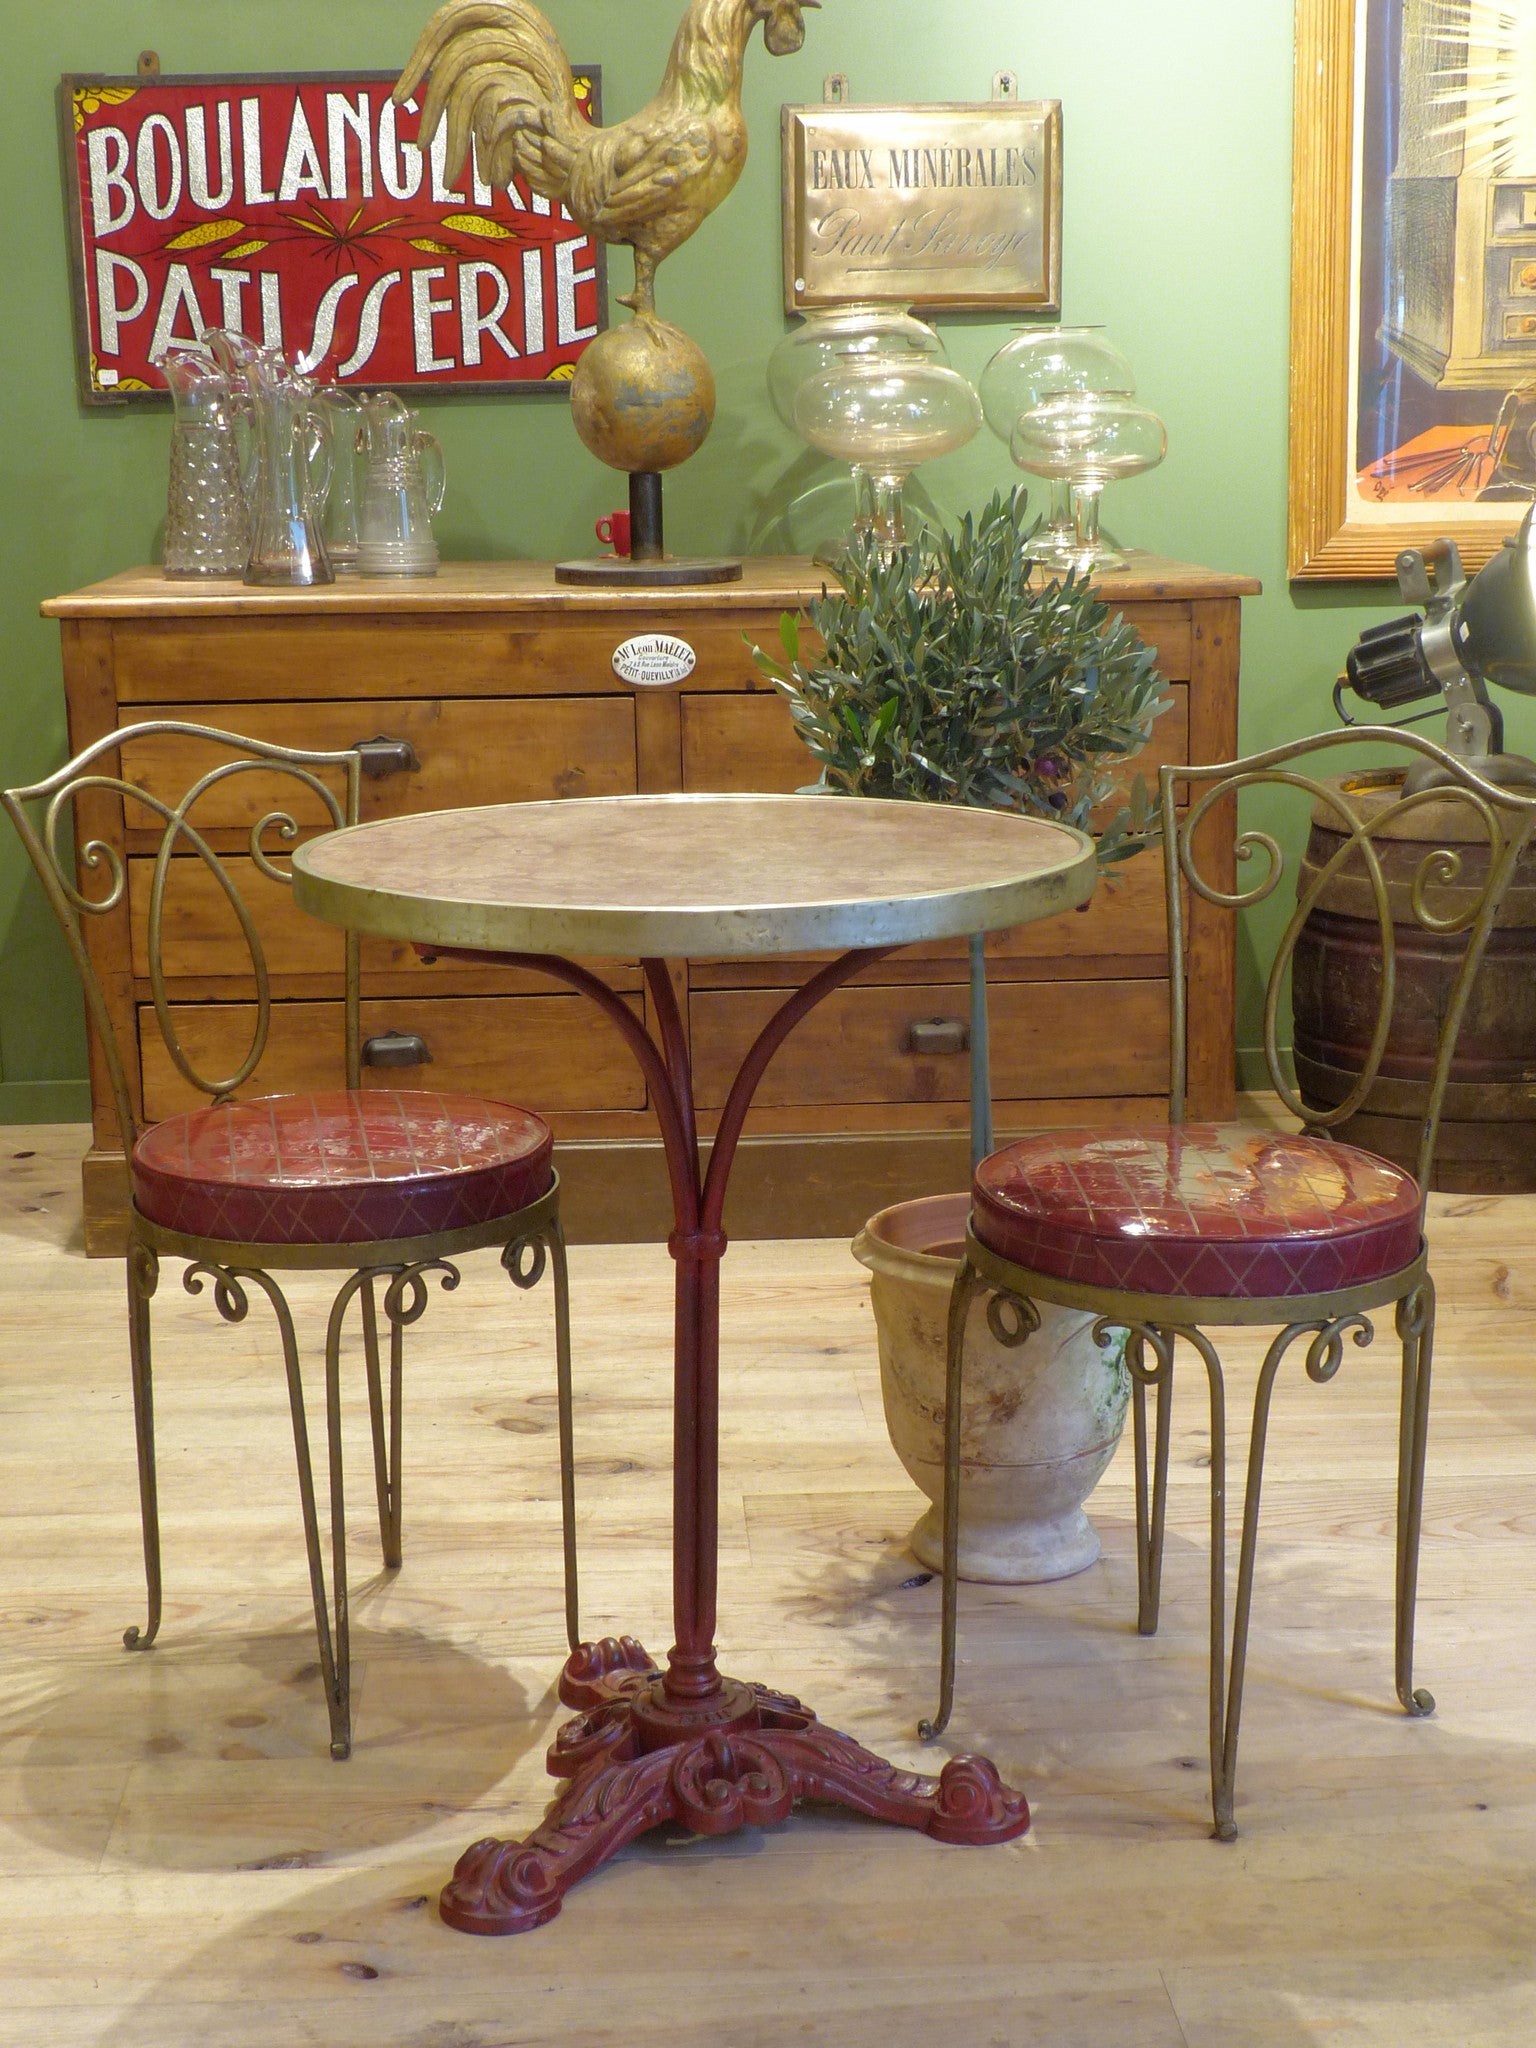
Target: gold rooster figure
(499,73)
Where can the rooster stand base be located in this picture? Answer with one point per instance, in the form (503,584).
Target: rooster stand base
(643,400)
(648,566)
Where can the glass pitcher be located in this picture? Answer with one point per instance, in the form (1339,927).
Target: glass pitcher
(341,503)
(404,476)
(293,473)
(207,526)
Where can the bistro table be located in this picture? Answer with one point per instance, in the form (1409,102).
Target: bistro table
(681,876)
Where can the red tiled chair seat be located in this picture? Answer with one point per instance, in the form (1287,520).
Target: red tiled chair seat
(1214,1210)
(344,1168)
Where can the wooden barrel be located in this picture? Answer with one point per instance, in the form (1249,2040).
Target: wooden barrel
(1488,1127)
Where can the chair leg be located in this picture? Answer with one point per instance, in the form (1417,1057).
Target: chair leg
(386,1434)
(405,1302)
(233,1304)
(1226,1680)
(1324,1354)
(967,1285)
(337,1665)
(143,1278)
(1416,1328)
(524,1260)
(1151,1515)
(1225,1695)
(567,1431)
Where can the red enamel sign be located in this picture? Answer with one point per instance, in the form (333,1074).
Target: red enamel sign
(301,211)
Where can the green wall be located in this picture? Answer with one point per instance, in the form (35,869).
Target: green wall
(1176,235)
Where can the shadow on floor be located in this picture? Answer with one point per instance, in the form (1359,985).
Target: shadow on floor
(211,1752)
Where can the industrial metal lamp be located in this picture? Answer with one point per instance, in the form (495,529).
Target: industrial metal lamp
(1475,631)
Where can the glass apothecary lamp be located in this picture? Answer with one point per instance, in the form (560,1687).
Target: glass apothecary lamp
(885,414)
(1041,362)
(830,335)
(1085,440)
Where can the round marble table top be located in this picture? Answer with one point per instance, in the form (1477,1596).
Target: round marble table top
(693,875)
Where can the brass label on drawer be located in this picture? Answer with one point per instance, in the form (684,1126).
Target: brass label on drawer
(656,659)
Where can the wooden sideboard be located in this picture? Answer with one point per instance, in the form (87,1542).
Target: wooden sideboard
(502,682)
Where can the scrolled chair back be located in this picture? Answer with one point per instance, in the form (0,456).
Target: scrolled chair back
(75,823)
(1474,834)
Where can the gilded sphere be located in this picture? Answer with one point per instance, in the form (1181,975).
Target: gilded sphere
(643,396)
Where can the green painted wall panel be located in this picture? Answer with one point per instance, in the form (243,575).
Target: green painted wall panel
(1177,236)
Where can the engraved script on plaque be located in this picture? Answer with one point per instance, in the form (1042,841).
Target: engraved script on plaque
(948,206)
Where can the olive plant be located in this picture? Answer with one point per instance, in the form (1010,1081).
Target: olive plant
(951,671)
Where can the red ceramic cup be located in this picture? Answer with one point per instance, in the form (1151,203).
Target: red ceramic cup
(613,531)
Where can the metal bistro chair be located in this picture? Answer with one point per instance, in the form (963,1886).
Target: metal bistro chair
(1168,1231)
(386,1186)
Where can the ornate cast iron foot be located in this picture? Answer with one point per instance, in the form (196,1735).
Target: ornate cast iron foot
(627,1772)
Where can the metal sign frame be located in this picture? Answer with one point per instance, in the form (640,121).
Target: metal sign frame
(952,206)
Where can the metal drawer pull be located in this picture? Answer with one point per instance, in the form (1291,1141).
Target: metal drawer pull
(396,1049)
(384,756)
(938,1034)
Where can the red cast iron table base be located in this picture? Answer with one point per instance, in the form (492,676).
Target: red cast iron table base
(688,1745)
(628,1767)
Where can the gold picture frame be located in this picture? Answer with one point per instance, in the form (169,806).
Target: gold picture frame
(1335,530)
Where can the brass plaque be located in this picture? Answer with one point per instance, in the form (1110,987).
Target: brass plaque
(954,205)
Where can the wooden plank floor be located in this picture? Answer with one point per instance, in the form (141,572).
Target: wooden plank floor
(180,1862)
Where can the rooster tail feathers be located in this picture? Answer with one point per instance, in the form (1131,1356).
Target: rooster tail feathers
(498,71)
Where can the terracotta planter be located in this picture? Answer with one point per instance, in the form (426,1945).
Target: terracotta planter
(1040,1423)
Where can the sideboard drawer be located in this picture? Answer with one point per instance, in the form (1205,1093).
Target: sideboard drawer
(201,940)
(200,935)
(743,742)
(749,743)
(471,751)
(549,1053)
(313,659)
(1126,918)
(1048,1038)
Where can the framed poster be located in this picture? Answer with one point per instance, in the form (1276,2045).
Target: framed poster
(300,210)
(954,206)
(1413,291)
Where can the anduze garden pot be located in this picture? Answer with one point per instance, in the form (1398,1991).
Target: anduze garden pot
(1040,1423)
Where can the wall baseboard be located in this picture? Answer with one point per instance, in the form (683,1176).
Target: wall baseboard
(45,1102)
(1253,1074)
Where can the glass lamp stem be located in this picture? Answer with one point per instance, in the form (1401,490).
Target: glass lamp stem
(886,519)
(1085,503)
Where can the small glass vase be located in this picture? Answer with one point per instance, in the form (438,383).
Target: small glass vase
(1086,439)
(1051,360)
(831,335)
